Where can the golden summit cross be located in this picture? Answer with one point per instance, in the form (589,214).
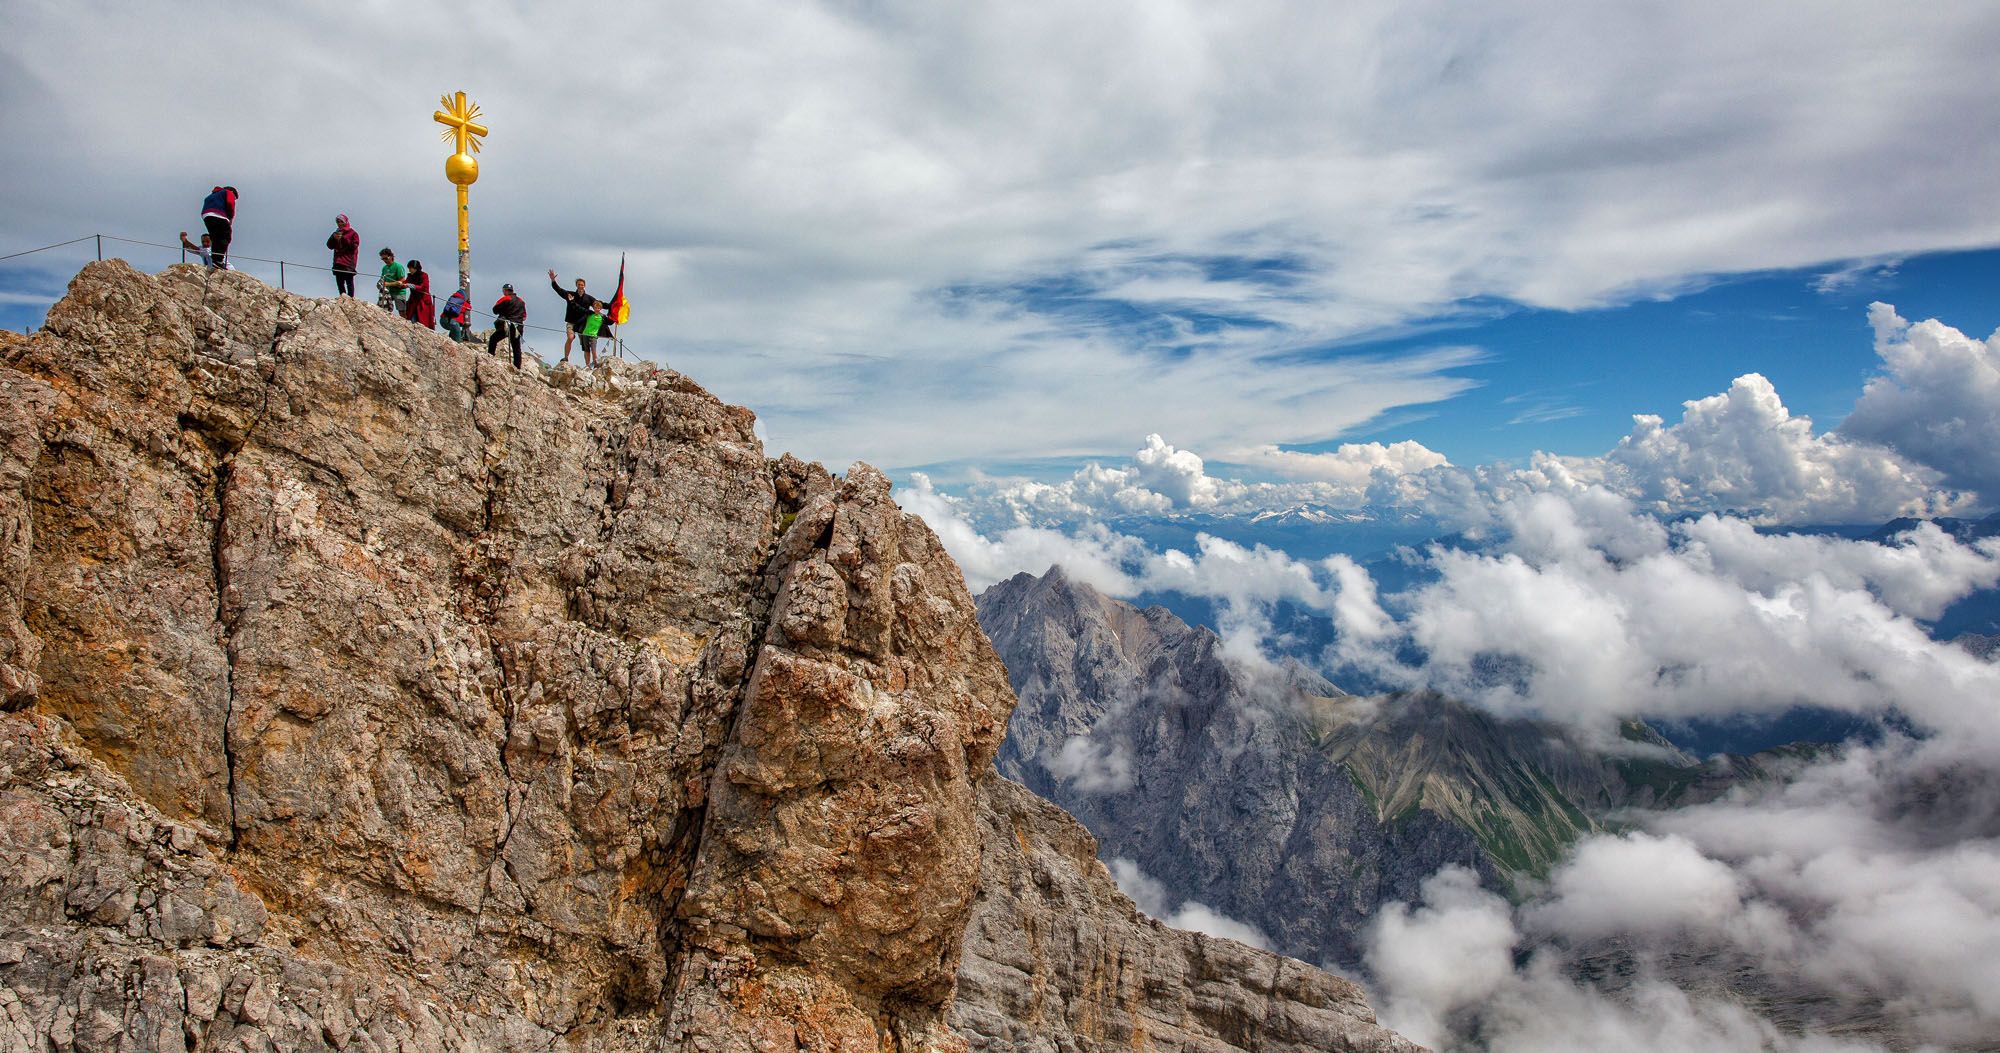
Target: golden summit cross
(459,119)
(461,128)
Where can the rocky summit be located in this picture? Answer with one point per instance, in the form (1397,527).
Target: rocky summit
(360,692)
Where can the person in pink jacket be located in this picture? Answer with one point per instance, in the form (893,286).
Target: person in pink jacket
(345,242)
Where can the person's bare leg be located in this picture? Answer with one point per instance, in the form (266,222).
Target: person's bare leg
(569,337)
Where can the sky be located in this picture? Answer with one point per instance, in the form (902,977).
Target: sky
(1616,292)
(1017,238)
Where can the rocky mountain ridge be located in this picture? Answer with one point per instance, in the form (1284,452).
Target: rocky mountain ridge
(1274,797)
(358,691)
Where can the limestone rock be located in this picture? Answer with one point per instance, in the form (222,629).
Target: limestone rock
(360,692)
(1058,960)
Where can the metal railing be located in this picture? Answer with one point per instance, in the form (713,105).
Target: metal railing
(617,341)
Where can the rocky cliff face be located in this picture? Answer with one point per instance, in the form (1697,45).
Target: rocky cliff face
(1272,796)
(1058,960)
(360,692)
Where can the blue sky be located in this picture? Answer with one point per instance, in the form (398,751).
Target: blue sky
(1019,239)
(1569,381)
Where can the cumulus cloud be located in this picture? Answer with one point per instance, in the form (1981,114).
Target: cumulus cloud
(1743,450)
(1178,475)
(1656,886)
(1853,888)
(1938,402)
(1154,900)
(1093,767)
(1740,452)
(1351,465)
(1244,581)
(1590,613)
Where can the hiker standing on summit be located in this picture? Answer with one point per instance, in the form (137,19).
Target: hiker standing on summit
(390,293)
(218,214)
(419,308)
(346,245)
(578,308)
(510,312)
(457,315)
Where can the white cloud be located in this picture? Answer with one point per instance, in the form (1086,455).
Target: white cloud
(1454,950)
(1586,612)
(1590,614)
(1094,556)
(1351,465)
(1743,450)
(1179,475)
(1939,401)
(1853,888)
(1656,886)
(917,233)
(1856,273)
(1244,581)
(1093,767)
(1153,900)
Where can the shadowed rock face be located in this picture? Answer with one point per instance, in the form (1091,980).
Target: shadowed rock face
(358,691)
(1058,960)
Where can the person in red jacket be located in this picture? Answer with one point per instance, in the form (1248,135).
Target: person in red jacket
(419,308)
(218,214)
(346,245)
(510,312)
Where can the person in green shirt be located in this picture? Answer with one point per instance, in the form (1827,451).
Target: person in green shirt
(390,289)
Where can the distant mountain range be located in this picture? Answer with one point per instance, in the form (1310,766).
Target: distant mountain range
(1307,531)
(1273,797)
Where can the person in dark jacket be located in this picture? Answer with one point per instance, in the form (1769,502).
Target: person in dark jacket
(218,214)
(346,245)
(577,308)
(510,313)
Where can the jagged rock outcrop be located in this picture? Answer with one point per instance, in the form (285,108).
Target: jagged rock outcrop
(358,691)
(1058,960)
(564,708)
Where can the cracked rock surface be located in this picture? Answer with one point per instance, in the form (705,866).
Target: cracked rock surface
(1057,960)
(360,692)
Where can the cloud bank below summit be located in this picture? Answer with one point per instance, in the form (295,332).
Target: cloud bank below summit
(1850,904)
(1923,440)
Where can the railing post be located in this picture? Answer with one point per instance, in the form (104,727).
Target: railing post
(281,274)
(100,248)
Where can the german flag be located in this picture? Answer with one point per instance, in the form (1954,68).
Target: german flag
(619,308)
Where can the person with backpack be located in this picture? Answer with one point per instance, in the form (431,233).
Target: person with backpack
(389,291)
(577,309)
(218,214)
(510,313)
(456,315)
(346,245)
